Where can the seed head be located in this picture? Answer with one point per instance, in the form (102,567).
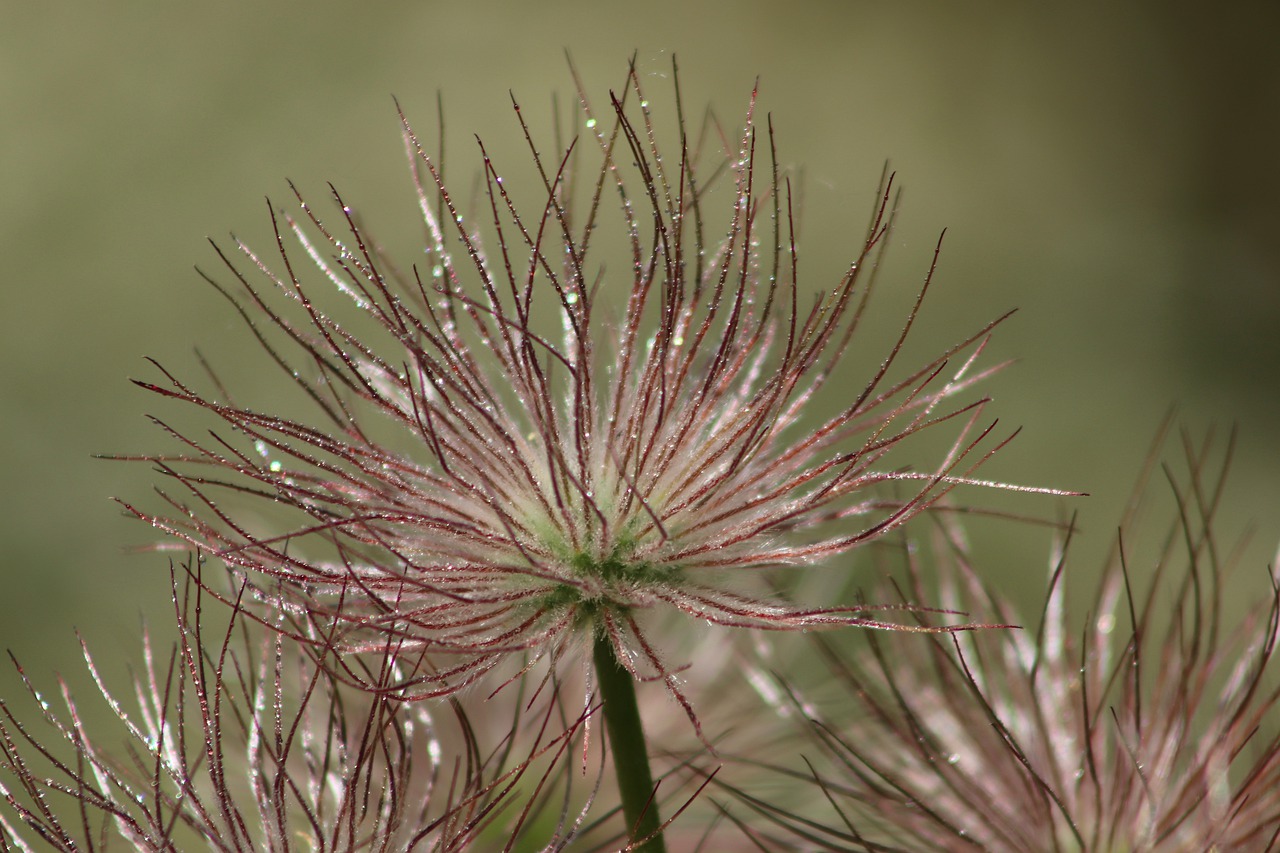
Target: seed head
(519,446)
(240,742)
(1154,729)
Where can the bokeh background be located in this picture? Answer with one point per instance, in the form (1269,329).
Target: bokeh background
(1110,169)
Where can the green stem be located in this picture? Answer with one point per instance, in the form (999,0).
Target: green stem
(630,752)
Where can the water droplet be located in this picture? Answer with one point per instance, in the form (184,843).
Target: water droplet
(953,758)
(571,298)
(591,123)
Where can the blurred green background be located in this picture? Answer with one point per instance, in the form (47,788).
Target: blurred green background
(1108,168)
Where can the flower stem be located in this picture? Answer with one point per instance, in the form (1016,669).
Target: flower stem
(630,752)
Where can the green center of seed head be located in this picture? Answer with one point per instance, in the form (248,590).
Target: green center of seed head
(621,574)
(614,567)
(620,568)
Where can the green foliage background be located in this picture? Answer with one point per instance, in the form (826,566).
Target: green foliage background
(1108,168)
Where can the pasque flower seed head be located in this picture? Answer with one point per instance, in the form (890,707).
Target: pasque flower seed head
(1148,725)
(532,447)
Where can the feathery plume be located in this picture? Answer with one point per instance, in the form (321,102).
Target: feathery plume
(482,486)
(239,741)
(1152,729)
